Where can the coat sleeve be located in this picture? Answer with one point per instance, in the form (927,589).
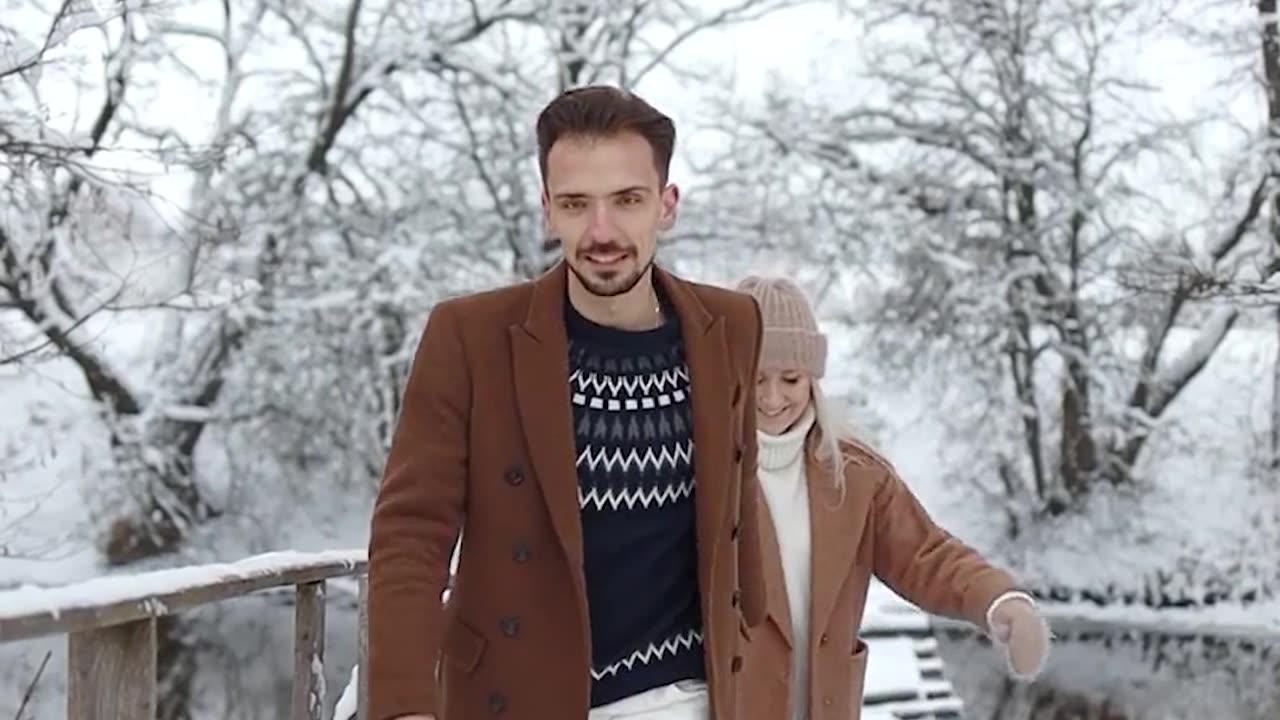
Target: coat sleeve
(750,557)
(416,520)
(925,564)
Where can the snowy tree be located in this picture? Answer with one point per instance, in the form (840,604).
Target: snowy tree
(360,160)
(78,224)
(574,44)
(997,161)
(1247,41)
(1269,34)
(464,215)
(392,165)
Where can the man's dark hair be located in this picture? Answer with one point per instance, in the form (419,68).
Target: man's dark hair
(599,111)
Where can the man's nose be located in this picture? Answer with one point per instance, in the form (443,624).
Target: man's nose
(601,225)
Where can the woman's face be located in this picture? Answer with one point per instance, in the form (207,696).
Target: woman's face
(782,396)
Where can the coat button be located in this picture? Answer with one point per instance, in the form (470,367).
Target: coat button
(736,598)
(497,703)
(823,640)
(520,553)
(733,532)
(514,475)
(510,626)
(736,665)
(737,454)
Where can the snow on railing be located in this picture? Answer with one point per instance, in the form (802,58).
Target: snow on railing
(111,626)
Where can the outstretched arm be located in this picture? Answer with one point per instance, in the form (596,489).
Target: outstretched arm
(416,521)
(927,565)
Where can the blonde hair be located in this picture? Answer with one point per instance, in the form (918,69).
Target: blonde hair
(834,437)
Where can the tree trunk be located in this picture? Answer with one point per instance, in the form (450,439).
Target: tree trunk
(1271,75)
(1274,465)
(571,76)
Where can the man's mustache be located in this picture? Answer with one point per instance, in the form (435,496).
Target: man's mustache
(605,249)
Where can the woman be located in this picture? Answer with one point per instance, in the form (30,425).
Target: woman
(837,513)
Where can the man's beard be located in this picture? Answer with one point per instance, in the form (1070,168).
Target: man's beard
(615,284)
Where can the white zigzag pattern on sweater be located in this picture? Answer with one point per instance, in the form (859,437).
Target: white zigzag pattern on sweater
(628,385)
(630,497)
(634,460)
(685,640)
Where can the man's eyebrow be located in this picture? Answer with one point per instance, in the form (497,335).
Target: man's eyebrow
(623,191)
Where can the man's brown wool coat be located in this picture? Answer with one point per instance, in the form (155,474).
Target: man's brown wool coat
(484,446)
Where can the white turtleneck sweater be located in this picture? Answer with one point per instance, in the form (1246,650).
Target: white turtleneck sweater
(785,489)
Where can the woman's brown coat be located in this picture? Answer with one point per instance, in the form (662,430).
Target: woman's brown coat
(879,528)
(485,447)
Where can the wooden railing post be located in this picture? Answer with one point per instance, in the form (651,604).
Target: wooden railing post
(308,652)
(112,672)
(112,636)
(362,650)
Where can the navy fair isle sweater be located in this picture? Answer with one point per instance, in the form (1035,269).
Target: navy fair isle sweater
(634,448)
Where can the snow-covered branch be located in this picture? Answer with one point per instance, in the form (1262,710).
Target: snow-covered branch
(22,56)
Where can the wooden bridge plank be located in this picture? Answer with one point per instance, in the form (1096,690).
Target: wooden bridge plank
(911,682)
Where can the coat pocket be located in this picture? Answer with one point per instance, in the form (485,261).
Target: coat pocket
(462,647)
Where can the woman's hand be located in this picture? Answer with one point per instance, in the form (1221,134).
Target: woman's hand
(1019,627)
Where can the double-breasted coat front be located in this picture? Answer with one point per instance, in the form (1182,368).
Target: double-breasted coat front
(484,447)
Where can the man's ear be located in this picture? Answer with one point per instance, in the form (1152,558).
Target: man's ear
(546,212)
(670,205)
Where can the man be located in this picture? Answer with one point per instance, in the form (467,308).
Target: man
(591,434)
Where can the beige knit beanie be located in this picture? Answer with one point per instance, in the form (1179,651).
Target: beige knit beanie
(792,340)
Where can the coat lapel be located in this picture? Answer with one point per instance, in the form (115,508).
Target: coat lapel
(540,362)
(710,388)
(779,608)
(836,527)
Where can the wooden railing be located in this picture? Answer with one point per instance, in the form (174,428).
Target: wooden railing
(110,624)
